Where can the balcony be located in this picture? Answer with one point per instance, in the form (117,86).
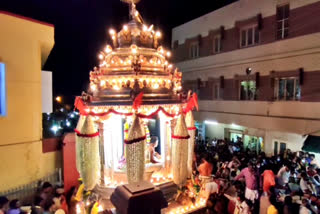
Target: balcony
(289,116)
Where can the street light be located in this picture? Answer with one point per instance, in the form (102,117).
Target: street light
(59,99)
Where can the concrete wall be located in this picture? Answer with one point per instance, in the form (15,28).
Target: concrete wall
(24,45)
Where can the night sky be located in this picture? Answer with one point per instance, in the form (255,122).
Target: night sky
(81,30)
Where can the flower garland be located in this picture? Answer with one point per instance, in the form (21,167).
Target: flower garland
(81,106)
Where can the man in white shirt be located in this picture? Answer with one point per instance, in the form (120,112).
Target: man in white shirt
(305,184)
(283,176)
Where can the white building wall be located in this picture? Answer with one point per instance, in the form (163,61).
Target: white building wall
(285,55)
(46,84)
(228,15)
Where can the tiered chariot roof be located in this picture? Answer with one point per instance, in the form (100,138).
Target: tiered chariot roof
(135,63)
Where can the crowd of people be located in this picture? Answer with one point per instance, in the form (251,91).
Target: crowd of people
(234,181)
(48,200)
(243,182)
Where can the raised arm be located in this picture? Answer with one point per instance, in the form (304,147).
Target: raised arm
(230,197)
(241,175)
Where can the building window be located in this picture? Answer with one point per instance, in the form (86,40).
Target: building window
(194,50)
(249,36)
(3,92)
(287,88)
(248,90)
(279,147)
(283,21)
(217,44)
(216,91)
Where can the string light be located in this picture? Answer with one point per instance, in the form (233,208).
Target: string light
(158,34)
(134,49)
(108,49)
(145,28)
(125,27)
(112,32)
(100,56)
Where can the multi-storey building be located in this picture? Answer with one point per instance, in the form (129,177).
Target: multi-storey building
(25,92)
(256,67)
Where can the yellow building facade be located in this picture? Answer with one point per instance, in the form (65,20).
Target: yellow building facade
(24,47)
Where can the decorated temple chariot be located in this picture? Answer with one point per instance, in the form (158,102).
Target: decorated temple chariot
(136,123)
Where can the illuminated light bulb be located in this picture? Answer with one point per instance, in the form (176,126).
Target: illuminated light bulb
(168,158)
(158,179)
(151,180)
(78,209)
(134,49)
(158,34)
(170,66)
(112,31)
(166,62)
(93,87)
(113,38)
(145,28)
(159,61)
(102,83)
(112,61)
(169,81)
(136,13)
(116,87)
(100,56)
(108,49)
(168,54)
(125,27)
(58,99)
(100,208)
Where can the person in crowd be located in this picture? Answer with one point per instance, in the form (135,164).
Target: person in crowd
(272,207)
(49,206)
(305,184)
(288,205)
(314,161)
(305,207)
(72,200)
(4,204)
(36,207)
(14,207)
(268,179)
(46,191)
(241,205)
(283,176)
(205,169)
(248,173)
(60,200)
(155,157)
(234,163)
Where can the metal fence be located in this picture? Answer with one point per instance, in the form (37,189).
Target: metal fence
(26,193)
